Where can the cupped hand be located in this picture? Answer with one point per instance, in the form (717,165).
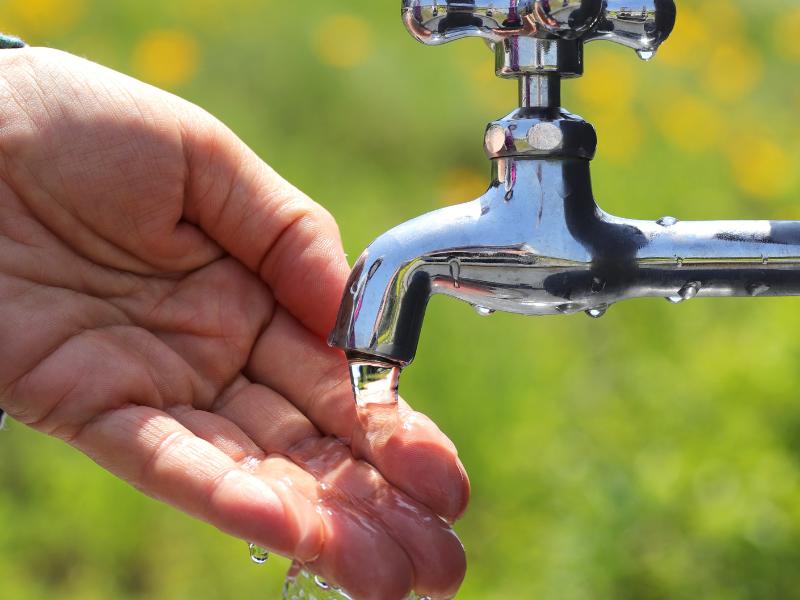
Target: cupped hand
(164,301)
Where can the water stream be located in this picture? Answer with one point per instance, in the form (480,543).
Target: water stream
(374,385)
(302,585)
(375,393)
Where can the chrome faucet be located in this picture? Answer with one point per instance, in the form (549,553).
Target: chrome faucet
(536,243)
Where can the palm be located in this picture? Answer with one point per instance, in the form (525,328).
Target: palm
(164,299)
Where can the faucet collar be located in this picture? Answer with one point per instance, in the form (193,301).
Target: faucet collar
(541,133)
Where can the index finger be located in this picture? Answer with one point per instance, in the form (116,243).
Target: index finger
(258,217)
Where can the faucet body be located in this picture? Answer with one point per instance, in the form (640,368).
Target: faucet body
(536,243)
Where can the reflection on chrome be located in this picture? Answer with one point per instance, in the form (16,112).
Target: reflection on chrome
(537,243)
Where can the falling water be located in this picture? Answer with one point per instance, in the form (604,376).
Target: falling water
(375,393)
(374,383)
(302,585)
(258,554)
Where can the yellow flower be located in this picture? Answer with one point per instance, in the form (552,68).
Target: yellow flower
(461,185)
(761,167)
(167,58)
(733,69)
(688,122)
(688,40)
(343,41)
(38,18)
(786,34)
(610,80)
(620,134)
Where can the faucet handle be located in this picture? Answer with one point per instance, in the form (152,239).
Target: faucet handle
(560,26)
(435,22)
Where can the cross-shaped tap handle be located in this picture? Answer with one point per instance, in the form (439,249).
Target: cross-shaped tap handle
(542,36)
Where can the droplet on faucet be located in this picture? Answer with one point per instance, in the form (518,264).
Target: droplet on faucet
(597,311)
(667,221)
(646,55)
(483,311)
(687,292)
(757,289)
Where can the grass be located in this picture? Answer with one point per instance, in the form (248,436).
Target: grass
(652,454)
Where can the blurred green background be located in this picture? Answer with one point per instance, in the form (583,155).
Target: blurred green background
(652,454)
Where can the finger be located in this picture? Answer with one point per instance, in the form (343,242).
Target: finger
(410,451)
(358,555)
(159,456)
(351,489)
(358,552)
(259,218)
(435,552)
(265,416)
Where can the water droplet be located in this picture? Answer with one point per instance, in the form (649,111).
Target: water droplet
(258,554)
(687,292)
(667,221)
(598,285)
(757,289)
(509,195)
(302,585)
(374,382)
(455,272)
(646,55)
(483,311)
(597,311)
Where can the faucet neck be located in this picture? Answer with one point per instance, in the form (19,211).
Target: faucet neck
(539,128)
(541,90)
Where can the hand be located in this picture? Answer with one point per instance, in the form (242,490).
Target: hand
(165,298)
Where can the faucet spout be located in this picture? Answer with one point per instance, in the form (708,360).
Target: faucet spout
(476,252)
(388,291)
